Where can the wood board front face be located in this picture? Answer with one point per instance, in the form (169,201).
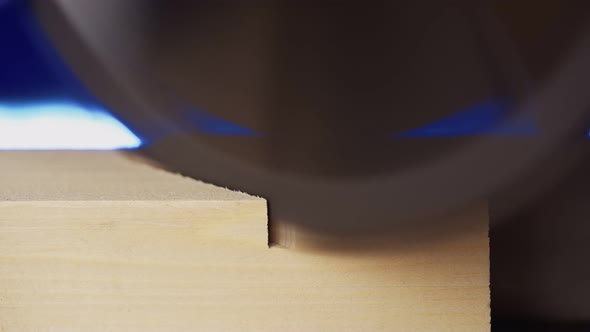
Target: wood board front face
(145,250)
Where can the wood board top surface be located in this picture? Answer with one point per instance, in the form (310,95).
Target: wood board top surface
(95,176)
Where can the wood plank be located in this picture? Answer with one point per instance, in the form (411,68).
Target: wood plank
(95,241)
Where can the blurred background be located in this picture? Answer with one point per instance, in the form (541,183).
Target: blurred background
(540,221)
(42,103)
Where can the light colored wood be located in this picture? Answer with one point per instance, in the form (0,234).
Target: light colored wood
(97,176)
(93,241)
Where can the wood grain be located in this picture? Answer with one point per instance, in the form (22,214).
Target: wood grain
(94,241)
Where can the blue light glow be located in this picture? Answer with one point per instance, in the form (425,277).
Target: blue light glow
(491,117)
(61,126)
(204,122)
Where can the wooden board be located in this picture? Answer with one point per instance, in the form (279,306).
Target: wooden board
(95,241)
